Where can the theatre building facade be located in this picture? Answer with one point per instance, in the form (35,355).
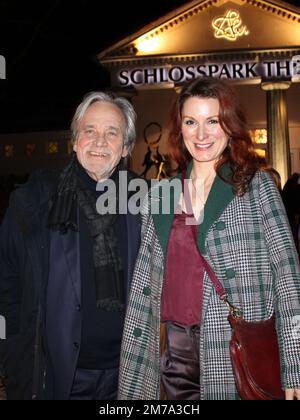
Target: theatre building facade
(254,44)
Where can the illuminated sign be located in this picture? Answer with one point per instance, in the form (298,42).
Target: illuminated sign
(2,328)
(296,65)
(229,26)
(269,69)
(2,67)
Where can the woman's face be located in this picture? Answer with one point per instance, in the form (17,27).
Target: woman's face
(201,130)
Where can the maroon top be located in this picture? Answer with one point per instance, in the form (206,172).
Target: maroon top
(183,283)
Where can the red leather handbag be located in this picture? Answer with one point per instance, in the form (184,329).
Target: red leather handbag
(254,352)
(255,359)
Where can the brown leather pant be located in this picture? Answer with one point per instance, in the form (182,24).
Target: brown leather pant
(180,363)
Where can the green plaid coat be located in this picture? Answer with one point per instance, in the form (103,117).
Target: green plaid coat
(248,243)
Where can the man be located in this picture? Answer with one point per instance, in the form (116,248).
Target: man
(66,269)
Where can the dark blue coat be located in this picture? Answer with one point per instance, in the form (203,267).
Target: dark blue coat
(40,362)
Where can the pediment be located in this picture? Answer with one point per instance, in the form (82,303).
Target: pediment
(209,26)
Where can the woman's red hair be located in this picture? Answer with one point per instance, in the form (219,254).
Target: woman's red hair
(240,153)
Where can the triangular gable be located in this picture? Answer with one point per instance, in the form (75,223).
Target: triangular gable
(212,26)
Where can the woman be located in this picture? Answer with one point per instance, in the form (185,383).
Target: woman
(243,234)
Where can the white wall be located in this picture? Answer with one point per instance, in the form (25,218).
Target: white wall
(151,106)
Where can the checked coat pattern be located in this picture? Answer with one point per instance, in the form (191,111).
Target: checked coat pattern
(248,243)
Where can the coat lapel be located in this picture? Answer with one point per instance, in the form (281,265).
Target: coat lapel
(70,242)
(219,198)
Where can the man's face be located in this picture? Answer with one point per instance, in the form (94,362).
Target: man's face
(100,143)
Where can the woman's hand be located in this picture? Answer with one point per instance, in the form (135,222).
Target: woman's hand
(292,394)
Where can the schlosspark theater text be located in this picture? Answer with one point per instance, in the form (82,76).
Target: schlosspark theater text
(271,69)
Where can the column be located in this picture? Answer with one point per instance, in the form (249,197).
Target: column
(278,129)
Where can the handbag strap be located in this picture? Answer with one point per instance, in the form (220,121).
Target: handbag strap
(236,312)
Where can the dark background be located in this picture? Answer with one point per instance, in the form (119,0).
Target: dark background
(50,48)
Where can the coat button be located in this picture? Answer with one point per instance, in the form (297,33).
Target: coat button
(76,346)
(147,291)
(230,273)
(78,308)
(137,332)
(220,226)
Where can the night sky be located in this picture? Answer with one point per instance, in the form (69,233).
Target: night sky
(50,48)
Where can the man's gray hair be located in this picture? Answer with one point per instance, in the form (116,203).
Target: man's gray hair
(123,104)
